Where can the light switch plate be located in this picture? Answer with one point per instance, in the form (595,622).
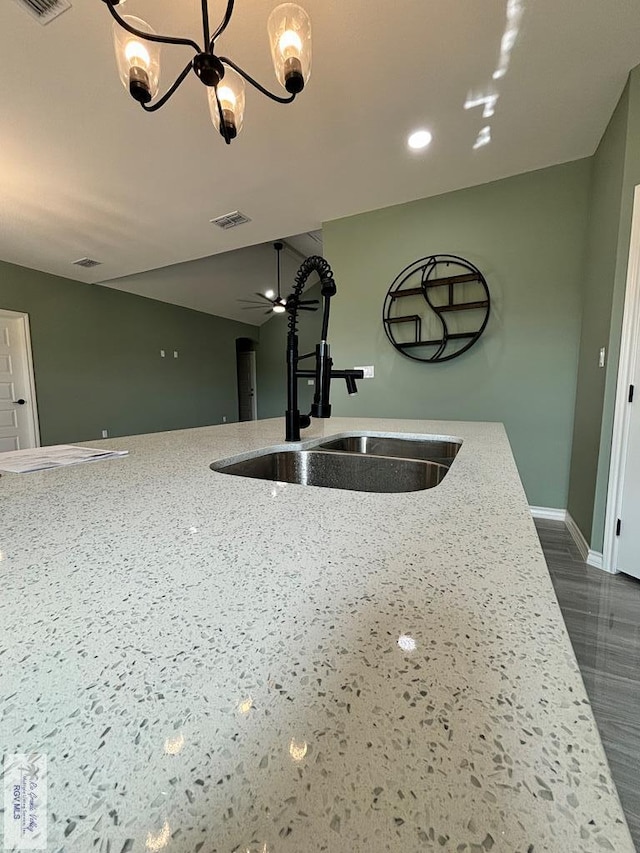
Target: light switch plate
(368,371)
(602,358)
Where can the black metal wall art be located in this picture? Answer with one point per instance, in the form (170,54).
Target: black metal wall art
(436,308)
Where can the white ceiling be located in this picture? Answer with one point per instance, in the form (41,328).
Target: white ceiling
(85,172)
(217,284)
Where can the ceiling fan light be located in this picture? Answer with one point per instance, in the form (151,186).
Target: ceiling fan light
(138,60)
(289,29)
(230,91)
(280,307)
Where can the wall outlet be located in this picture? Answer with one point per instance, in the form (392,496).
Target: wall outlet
(224,419)
(603,356)
(175,353)
(368,371)
(161,353)
(105,433)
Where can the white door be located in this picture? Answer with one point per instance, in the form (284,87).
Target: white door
(622,525)
(18,418)
(628,526)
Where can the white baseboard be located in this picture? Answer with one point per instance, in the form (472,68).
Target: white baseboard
(549,513)
(594,558)
(576,534)
(591,558)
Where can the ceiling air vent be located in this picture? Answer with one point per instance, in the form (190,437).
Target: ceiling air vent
(87,263)
(230,220)
(44,11)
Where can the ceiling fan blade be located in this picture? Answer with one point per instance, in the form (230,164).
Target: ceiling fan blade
(251,308)
(262,296)
(308,302)
(304,308)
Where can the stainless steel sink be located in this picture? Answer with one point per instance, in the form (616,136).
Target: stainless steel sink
(339,470)
(431,450)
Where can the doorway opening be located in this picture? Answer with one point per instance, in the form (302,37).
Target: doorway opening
(19,428)
(247,379)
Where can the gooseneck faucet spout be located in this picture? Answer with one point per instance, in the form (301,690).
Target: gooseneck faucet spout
(323,373)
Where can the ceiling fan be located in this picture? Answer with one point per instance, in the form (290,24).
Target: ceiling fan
(277,303)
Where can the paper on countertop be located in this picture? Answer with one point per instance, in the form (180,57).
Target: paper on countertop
(55,456)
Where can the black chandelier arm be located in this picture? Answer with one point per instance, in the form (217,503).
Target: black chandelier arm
(149,36)
(223,24)
(205,23)
(254,83)
(151,108)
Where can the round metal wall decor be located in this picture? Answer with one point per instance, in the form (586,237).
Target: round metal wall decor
(436,308)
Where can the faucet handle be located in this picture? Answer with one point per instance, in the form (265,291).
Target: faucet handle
(349,377)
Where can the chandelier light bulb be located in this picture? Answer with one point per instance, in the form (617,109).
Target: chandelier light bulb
(226,97)
(138,58)
(137,54)
(290,45)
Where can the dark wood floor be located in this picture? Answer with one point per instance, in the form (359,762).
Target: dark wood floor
(602,614)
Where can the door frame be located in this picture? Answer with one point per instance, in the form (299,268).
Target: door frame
(34,421)
(254,380)
(629,353)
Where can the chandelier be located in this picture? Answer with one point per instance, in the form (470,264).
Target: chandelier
(137,48)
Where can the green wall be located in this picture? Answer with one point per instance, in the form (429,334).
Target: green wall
(598,284)
(527,234)
(97,359)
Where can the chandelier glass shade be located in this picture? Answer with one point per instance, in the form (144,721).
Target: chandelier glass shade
(229,94)
(290,38)
(138,60)
(137,48)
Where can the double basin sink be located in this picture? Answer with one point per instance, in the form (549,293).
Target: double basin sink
(358,462)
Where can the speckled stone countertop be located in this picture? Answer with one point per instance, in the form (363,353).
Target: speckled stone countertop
(212,663)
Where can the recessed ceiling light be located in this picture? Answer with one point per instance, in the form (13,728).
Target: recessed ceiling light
(269,294)
(419,139)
